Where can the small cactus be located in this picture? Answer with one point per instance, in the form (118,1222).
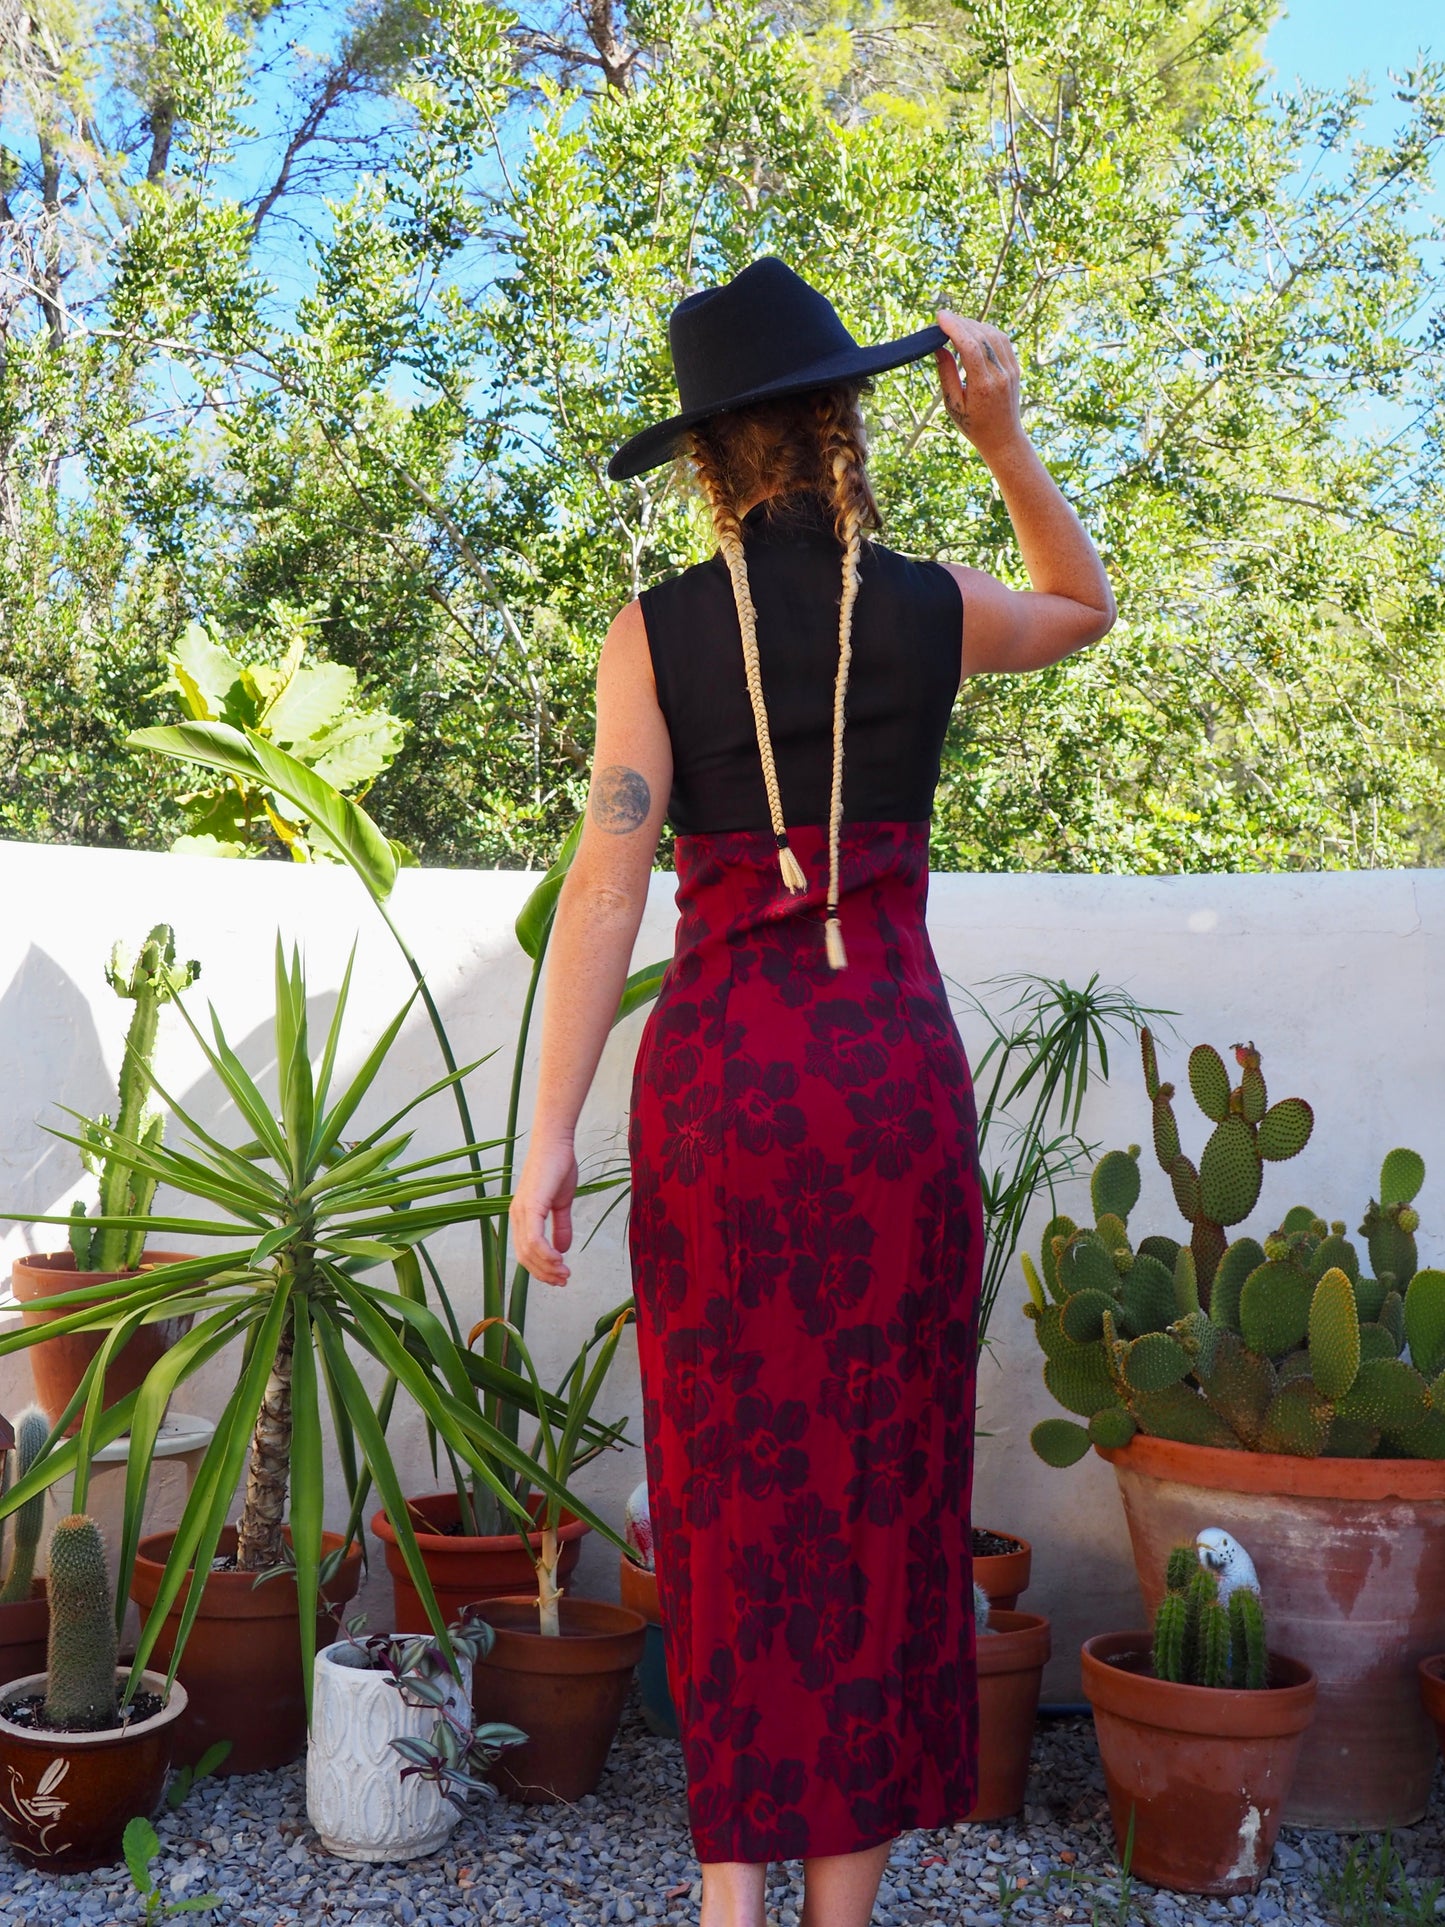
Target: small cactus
(150,981)
(982,1607)
(32,1429)
(80,1680)
(1198,1639)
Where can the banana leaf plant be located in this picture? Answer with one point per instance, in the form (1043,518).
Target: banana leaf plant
(558,1447)
(309,1211)
(341,827)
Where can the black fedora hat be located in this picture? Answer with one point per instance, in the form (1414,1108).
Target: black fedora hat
(763,334)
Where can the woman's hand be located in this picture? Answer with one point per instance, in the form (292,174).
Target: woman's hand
(984,401)
(545,1189)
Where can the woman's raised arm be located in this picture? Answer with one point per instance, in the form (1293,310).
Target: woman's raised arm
(598,912)
(1070,603)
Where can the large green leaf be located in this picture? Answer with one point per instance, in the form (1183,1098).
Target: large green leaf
(534,922)
(356,750)
(314,700)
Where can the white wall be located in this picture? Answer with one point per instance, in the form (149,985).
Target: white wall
(1336,977)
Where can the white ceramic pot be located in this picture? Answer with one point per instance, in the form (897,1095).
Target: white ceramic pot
(355,1796)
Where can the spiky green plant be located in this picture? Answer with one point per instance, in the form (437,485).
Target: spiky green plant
(80,1665)
(127,1187)
(1299,1352)
(32,1429)
(1198,1640)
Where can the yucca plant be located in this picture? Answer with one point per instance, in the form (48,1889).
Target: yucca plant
(310,1214)
(341,828)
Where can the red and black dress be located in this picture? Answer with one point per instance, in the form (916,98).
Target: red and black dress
(806,1226)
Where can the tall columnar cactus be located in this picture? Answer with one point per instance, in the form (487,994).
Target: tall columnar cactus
(80,1682)
(152,980)
(1248,1132)
(1201,1641)
(1299,1352)
(32,1428)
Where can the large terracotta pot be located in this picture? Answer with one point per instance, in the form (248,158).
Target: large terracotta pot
(24,1634)
(58,1364)
(1351,1561)
(1203,1771)
(638,1588)
(464,1568)
(242,1662)
(1012,1656)
(1004,1575)
(566,1693)
(66,1798)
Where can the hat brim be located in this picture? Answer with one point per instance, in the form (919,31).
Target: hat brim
(652,446)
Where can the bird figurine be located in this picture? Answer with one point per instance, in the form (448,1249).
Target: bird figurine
(637,1524)
(1222,1554)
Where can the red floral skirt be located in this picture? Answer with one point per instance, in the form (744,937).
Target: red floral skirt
(806,1237)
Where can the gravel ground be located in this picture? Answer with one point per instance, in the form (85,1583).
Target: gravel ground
(624,1854)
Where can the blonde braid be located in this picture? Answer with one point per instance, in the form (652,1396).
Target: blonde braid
(730,541)
(850,502)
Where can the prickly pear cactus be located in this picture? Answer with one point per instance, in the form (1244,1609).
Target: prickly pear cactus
(125,1191)
(1294,1349)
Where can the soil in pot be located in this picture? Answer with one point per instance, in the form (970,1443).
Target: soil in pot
(565,1693)
(58,1364)
(1203,1771)
(242,1662)
(1011,1656)
(65,1798)
(1351,1561)
(1001,1565)
(465,1567)
(24,1633)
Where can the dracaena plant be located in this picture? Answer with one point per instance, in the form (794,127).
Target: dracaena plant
(309,1215)
(342,829)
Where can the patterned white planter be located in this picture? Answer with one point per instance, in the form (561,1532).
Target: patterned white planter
(355,1796)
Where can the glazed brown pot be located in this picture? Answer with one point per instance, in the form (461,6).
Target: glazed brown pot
(1004,1575)
(638,1588)
(242,1662)
(1203,1770)
(66,1798)
(566,1693)
(464,1568)
(58,1364)
(1351,1561)
(1012,1656)
(24,1634)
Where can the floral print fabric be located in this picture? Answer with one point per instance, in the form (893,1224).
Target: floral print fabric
(806,1237)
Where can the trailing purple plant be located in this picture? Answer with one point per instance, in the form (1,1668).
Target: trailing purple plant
(459,1751)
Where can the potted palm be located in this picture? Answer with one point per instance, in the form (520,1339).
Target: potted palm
(24,1612)
(479,1536)
(308,1214)
(1283,1390)
(559,1665)
(79,1757)
(104,1251)
(1199,1730)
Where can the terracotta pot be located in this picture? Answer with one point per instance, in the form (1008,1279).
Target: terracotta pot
(1351,1562)
(1004,1575)
(1205,1771)
(1432,1694)
(465,1568)
(639,1593)
(58,1364)
(242,1662)
(24,1635)
(66,1798)
(1012,1656)
(565,1693)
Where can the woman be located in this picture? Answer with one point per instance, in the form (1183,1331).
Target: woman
(806,1226)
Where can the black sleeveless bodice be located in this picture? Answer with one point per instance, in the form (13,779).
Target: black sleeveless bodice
(902,683)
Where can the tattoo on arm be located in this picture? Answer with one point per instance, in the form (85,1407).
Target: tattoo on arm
(621,799)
